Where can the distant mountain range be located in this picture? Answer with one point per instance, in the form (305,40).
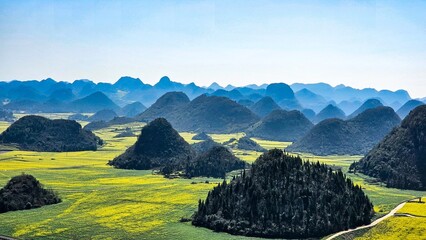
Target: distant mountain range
(49,95)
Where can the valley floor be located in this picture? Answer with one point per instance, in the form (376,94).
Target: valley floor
(100,202)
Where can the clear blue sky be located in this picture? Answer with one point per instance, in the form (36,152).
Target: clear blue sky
(379,44)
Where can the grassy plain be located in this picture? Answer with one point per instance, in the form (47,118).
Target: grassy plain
(100,202)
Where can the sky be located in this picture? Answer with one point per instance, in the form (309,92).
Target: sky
(379,44)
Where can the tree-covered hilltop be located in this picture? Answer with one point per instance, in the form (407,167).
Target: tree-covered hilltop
(284,197)
(399,159)
(25,192)
(201,136)
(35,133)
(158,145)
(354,136)
(246,143)
(216,162)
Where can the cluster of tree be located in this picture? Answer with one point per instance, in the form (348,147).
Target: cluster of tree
(92,126)
(103,115)
(201,136)
(246,143)
(126,133)
(25,192)
(215,162)
(204,146)
(354,136)
(37,133)
(399,159)
(6,116)
(283,197)
(159,146)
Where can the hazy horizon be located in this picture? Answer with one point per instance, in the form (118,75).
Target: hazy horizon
(368,44)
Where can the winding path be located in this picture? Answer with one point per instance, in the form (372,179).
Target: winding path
(391,213)
(6,238)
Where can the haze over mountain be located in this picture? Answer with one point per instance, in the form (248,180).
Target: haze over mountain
(133,109)
(407,107)
(103,115)
(283,95)
(52,96)
(166,106)
(369,104)
(213,114)
(281,125)
(399,159)
(94,102)
(264,106)
(354,136)
(311,100)
(330,111)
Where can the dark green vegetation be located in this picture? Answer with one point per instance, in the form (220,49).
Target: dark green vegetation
(405,109)
(126,133)
(161,147)
(264,106)
(103,115)
(102,124)
(354,136)
(6,116)
(283,197)
(37,133)
(205,113)
(25,192)
(204,146)
(158,147)
(201,136)
(399,159)
(133,109)
(369,104)
(245,143)
(216,162)
(281,125)
(78,117)
(330,111)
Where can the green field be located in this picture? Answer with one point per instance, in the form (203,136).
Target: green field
(100,202)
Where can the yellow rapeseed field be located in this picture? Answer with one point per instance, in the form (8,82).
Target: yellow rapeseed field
(100,202)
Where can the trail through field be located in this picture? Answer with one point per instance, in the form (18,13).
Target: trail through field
(6,238)
(391,213)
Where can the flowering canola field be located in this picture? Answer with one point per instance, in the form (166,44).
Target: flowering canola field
(100,202)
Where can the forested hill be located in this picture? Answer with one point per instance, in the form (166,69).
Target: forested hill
(399,159)
(284,197)
(37,133)
(354,136)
